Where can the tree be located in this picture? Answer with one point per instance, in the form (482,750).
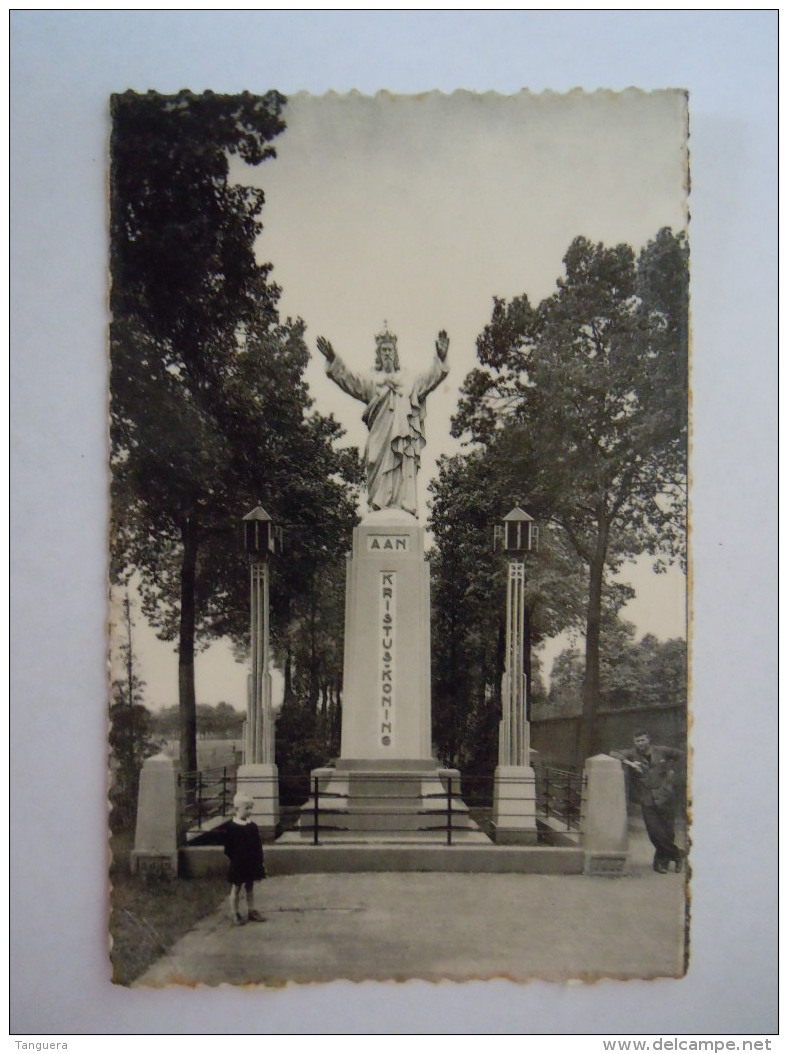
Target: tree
(471,493)
(227,721)
(184,282)
(308,728)
(167,722)
(209,410)
(222,721)
(621,672)
(664,666)
(130,732)
(565,698)
(593,382)
(645,674)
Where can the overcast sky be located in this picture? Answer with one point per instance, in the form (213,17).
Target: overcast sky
(416,211)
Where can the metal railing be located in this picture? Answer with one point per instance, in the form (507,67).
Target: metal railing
(351,803)
(467,803)
(205,799)
(205,795)
(383,804)
(559,796)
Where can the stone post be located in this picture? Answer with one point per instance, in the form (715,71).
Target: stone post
(155,850)
(604,819)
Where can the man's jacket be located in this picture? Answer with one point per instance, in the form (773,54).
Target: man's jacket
(656,783)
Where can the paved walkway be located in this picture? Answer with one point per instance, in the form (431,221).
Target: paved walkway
(442,926)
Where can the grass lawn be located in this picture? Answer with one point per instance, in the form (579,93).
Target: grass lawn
(148,917)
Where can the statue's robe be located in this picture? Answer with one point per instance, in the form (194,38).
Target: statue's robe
(395,413)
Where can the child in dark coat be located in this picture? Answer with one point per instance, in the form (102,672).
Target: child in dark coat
(243,846)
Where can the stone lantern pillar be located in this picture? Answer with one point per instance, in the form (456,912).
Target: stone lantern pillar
(514,801)
(258,775)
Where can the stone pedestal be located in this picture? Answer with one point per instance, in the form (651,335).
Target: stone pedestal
(604,817)
(386,683)
(261,783)
(386,783)
(155,850)
(514,805)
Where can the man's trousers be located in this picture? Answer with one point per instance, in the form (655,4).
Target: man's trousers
(661,826)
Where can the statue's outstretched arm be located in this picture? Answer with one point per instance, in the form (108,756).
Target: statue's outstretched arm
(357,385)
(324,347)
(431,378)
(442,345)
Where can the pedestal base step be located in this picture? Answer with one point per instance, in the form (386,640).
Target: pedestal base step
(357,805)
(359,837)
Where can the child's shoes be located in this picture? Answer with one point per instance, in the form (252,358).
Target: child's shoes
(255,916)
(237,920)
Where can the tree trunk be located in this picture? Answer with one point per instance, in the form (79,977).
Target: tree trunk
(187,703)
(288,689)
(324,728)
(527,666)
(593,628)
(130,683)
(500,663)
(314,676)
(337,729)
(452,729)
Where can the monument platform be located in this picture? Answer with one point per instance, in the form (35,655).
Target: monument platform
(395,801)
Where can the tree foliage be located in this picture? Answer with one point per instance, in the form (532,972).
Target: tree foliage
(221,721)
(593,382)
(472,493)
(209,410)
(130,732)
(648,673)
(311,649)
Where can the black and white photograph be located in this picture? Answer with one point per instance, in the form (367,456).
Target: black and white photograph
(393,525)
(374,663)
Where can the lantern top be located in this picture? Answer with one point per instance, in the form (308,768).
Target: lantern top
(261,535)
(518,515)
(517,532)
(258,513)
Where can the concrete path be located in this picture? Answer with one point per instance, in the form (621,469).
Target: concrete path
(442,926)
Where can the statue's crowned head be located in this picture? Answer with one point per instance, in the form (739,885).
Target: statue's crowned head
(386,357)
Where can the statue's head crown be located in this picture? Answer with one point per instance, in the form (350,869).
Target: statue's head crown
(385,340)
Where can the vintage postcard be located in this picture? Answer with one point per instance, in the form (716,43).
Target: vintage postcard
(399,447)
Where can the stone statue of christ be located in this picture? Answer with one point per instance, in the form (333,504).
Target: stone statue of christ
(394,416)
